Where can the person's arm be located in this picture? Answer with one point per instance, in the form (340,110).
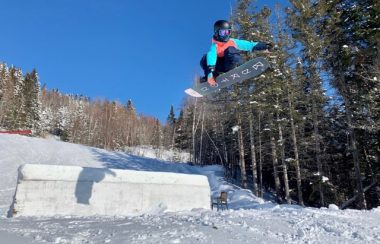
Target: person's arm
(211,62)
(244,45)
(262,46)
(251,46)
(212,55)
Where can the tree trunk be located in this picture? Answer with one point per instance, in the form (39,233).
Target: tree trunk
(241,154)
(253,154)
(359,184)
(193,132)
(260,160)
(362,204)
(295,148)
(319,164)
(201,142)
(225,153)
(173,137)
(351,200)
(283,162)
(275,163)
(317,148)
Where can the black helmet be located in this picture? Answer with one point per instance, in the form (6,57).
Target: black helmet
(222,30)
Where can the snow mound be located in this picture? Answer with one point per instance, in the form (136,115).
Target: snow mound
(333,207)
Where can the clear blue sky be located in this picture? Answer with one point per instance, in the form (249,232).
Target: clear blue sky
(144,50)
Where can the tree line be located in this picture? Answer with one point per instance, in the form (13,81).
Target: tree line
(74,118)
(308,128)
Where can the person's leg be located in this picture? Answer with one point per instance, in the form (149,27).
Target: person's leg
(219,67)
(232,59)
(203,64)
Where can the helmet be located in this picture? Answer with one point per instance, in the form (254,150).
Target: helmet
(222,30)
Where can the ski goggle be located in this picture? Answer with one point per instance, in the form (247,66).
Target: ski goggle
(224,32)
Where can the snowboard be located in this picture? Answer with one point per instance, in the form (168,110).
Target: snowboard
(249,69)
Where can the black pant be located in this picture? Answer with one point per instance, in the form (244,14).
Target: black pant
(230,60)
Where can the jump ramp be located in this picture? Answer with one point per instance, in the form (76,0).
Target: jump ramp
(52,190)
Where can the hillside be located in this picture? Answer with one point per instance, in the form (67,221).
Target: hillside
(249,219)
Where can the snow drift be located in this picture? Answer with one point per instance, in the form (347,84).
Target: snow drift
(49,190)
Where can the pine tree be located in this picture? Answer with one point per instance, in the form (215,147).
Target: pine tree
(301,18)
(170,128)
(15,111)
(350,30)
(171,117)
(4,91)
(182,135)
(31,101)
(2,77)
(254,26)
(130,108)
(130,134)
(157,136)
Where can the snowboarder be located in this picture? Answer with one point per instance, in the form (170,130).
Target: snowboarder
(224,53)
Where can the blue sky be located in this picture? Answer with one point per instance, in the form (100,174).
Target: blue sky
(144,50)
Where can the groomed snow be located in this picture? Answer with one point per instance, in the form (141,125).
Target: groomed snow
(249,220)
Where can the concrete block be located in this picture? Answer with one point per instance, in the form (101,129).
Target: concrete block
(55,190)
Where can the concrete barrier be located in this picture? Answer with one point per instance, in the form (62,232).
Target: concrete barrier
(52,190)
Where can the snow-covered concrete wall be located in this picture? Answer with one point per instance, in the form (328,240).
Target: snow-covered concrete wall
(49,190)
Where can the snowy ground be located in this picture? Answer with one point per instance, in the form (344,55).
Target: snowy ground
(162,154)
(249,220)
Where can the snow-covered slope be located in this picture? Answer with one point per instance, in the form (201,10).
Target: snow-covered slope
(159,153)
(249,219)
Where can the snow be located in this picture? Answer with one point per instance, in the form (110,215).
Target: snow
(158,153)
(235,128)
(289,160)
(333,207)
(324,178)
(248,220)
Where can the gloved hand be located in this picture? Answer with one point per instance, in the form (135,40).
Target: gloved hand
(269,46)
(263,46)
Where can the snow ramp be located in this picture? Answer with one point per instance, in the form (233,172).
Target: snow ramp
(52,190)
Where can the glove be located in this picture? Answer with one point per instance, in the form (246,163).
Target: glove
(263,46)
(269,46)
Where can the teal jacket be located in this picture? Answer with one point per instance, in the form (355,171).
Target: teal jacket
(217,48)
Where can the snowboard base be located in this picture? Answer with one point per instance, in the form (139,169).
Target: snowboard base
(193,93)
